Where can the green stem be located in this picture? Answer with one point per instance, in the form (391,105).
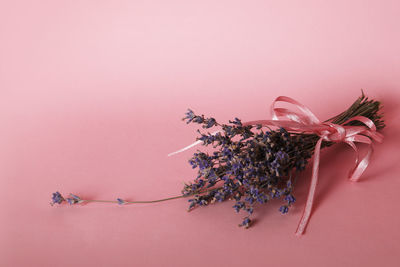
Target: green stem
(134,202)
(148,201)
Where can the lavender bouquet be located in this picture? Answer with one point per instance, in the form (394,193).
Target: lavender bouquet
(252,163)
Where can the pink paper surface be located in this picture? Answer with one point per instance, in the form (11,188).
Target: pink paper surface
(91,97)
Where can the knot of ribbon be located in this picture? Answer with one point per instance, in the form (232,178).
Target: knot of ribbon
(305,121)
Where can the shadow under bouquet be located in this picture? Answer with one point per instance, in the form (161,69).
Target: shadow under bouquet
(252,163)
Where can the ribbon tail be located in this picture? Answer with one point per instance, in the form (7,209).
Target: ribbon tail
(185,148)
(190,146)
(360,167)
(311,193)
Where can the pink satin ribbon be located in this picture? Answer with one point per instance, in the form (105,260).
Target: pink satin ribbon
(306,122)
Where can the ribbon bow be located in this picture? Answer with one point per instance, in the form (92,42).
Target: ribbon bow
(306,122)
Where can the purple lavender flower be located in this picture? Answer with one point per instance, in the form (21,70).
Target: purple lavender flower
(189,116)
(237,122)
(57,198)
(246,222)
(238,206)
(284,209)
(74,199)
(121,201)
(290,199)
(209,123)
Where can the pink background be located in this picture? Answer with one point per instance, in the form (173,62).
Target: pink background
(91,97)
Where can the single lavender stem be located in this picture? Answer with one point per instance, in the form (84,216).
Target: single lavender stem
(144,201)
(133,202)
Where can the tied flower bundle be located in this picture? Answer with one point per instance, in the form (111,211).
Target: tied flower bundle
(255,162)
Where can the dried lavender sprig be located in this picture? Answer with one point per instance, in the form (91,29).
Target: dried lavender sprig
(118,201)
(58,199)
